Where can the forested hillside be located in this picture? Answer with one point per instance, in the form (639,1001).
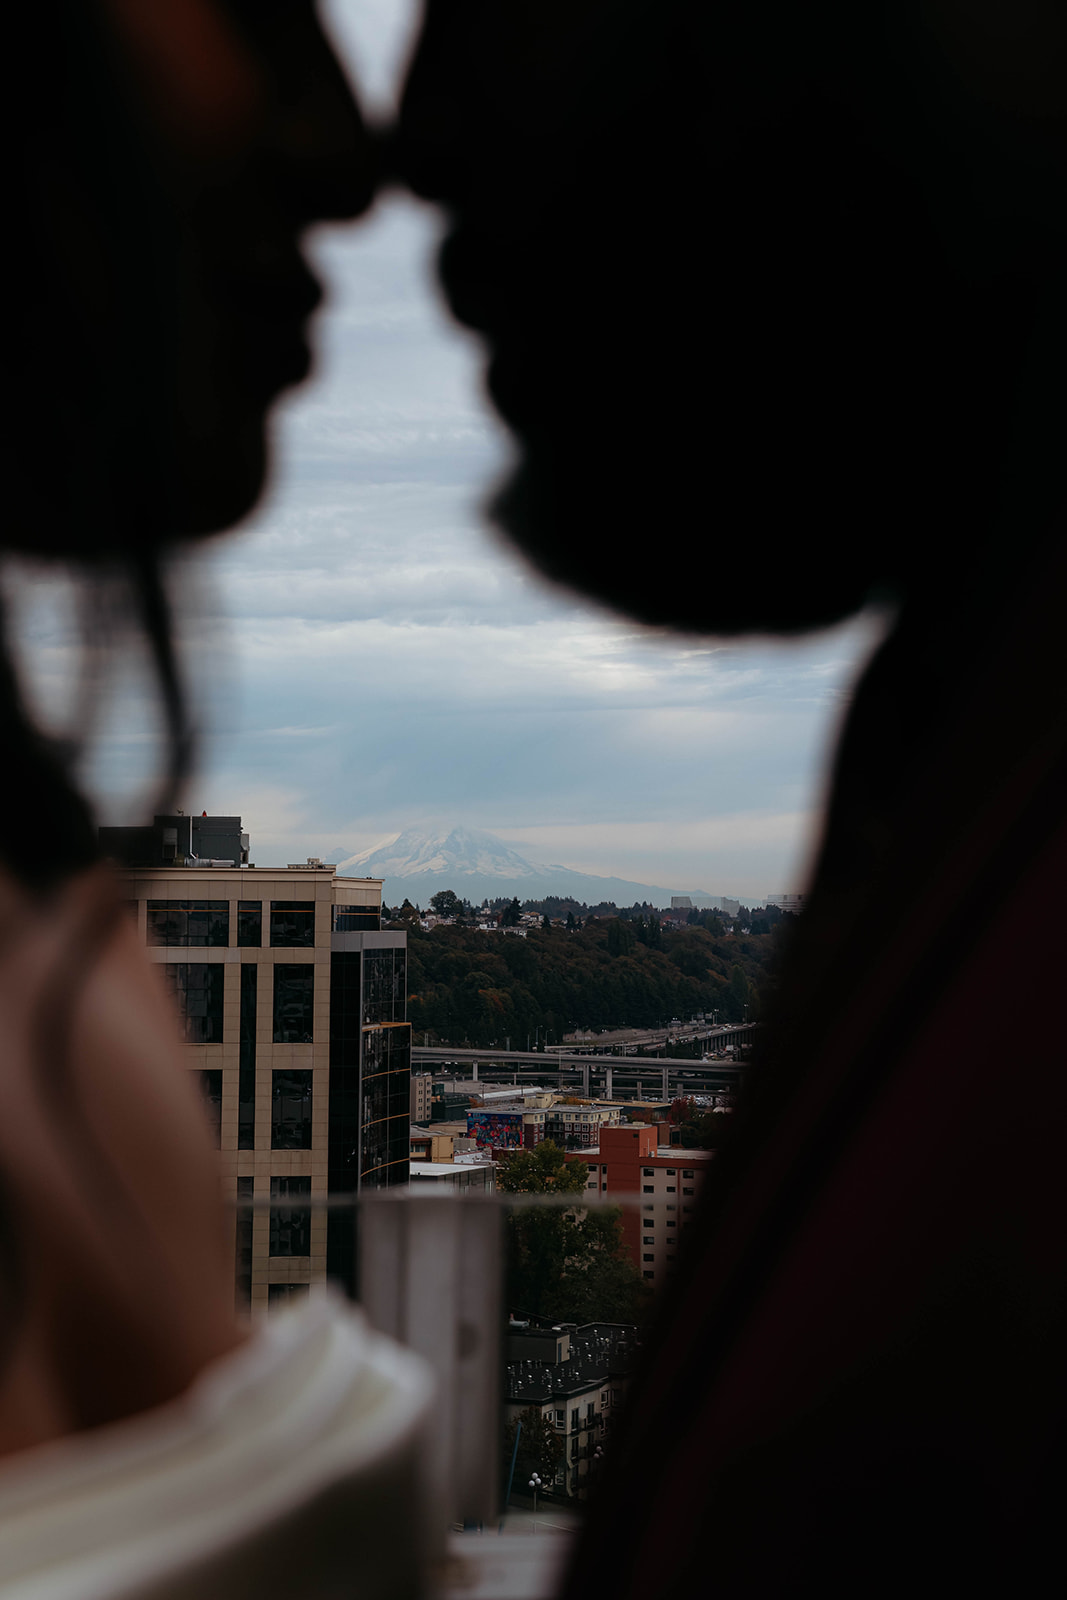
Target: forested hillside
(470,987)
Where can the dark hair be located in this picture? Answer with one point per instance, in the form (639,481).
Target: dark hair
(87,432)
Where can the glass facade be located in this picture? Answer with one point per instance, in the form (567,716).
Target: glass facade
(292,924)
(250,924)
(294,1002)
(211,1084)
(385,1120)
(188,922)
(344,1070)
(384,985)
(246,1070)
(197,987)
(290,1110)
(290,1225)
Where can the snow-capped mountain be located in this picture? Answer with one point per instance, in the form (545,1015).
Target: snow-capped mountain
(479,866)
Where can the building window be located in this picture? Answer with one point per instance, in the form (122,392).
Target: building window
(672,1188)
(290,1111)
(648,1188)
(671,1173)
(279,1294)
(648,1172)
(211,1084)
(574,1449)
(197,987)
(687,1191)
(290,1226)
(651,1240)
(292,924)
(250,924)
(574,1419)
(244,1242)
(671,1224)
(246,1058)
(355,919)
(686,1174)
(188,922)
(648,1258)
(647,1274)
(294,1002)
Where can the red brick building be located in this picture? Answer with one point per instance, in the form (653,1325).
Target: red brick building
(631,1160)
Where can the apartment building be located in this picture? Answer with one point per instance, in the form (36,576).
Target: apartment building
(421,1106)
(578,1127)
(631,1161)
(576,1378)
(293,1002)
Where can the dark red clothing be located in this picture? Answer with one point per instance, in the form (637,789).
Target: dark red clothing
(857,1385)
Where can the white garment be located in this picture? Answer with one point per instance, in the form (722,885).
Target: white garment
(291,1468)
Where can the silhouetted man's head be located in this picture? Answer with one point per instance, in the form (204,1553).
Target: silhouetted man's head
(758,284)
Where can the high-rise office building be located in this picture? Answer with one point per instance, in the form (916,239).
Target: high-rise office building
(293,1001)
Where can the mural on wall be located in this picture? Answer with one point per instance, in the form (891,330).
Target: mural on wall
(497,1130)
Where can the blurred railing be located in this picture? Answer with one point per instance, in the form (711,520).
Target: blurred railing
(430,1271)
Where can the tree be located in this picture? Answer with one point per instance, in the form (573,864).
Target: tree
(541,1170)
(541,1448)
(546,923)
(446,903)
(620,938)
(705,1130)
(568,1264)
(511,914)
(408,912)
(571,925)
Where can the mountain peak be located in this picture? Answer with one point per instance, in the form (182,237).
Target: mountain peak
(478,866)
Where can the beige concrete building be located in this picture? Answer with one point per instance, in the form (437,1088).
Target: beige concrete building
(293,1001)
(421,1096)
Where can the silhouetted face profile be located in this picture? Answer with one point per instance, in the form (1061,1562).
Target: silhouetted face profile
(182,149)
(757,283)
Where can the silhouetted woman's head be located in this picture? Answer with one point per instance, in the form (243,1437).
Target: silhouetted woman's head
(166,158)
(174,155)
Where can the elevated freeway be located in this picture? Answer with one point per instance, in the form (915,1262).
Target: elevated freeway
(597,1074)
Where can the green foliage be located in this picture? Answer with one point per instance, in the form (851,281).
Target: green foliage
(705,1130)
(446,903)
(541,1448)
(511,914)
(572,1267)
(593,978)
(541,1170)
(569,1265)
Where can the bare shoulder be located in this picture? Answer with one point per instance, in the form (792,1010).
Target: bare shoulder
(107,1175)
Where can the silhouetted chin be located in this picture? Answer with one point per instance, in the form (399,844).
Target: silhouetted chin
(658,557)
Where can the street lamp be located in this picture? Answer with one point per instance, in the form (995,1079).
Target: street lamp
(535,1484)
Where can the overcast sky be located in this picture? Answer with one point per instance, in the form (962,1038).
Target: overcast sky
(390,664)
